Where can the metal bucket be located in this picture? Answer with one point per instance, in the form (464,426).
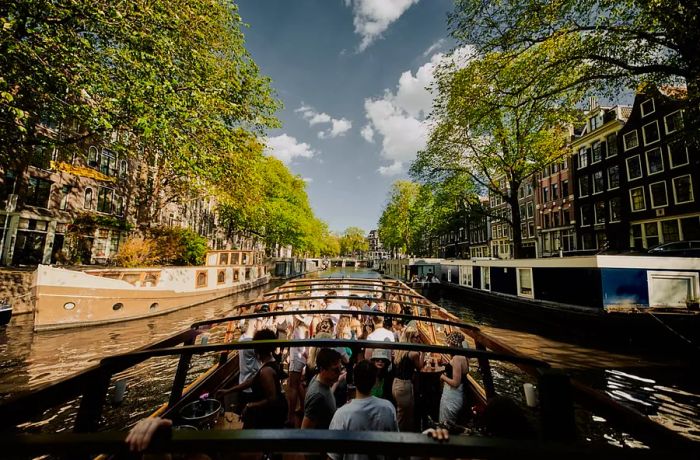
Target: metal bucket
(201,413)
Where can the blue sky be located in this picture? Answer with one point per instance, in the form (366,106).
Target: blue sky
(352,76)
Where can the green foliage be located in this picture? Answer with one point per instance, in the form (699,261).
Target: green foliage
(174,75)
(178,246)
(353,241)
(395,226)
(607,44)
(86,223)
(497,121)
(136,253)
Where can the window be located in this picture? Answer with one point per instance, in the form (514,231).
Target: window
(683,189)
(486,278)
(565,164)
(582,158)
(588,242)
(528,190)
(611,142)
(531,229)
(38,191)
(613,177)
(597,152)
(123,168)
(634,168)
(556,219)
(585,215)
(599,212)
(530,210)
(201,279)
(92,157)
(615,205)
(630,140)
(545,194)
(655,161)
(522,210)
(691,228)
(525,282)
(555,168)
(637,199)
(63,203)
(636,237)
(221,277)
(118,205)
(651,232)
(565,188)
(647,107)
(555,191)
(677,154)
(108,163)
(657,192)
(669,231)
(598,184)
(583,186)
(650,132)
(87,204)
(673,122)
(104,199)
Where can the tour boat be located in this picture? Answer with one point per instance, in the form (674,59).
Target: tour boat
(68,298)
(220,433)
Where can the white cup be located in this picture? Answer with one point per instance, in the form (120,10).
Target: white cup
(530,395)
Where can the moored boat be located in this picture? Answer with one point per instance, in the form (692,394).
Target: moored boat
(557,393)
(68,298)
(5,312)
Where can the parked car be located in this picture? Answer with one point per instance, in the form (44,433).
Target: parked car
(677,249)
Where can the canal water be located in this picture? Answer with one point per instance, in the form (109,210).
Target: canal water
(658,385)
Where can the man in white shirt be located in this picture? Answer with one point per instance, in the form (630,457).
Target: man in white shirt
(365,412)
(380,334)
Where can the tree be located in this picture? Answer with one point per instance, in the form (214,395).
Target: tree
(496,121)
(606,43)
(172,76)
(353,241)
(395,229)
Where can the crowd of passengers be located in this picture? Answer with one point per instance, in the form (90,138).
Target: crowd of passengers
(344,388)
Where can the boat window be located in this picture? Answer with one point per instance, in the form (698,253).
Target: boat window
(69,305)
(486,278)
(235,275)
(525,282)
(150,279)
(247,274)
(117,306)
(154,306)
(221,277)
(201,279)
(223,258)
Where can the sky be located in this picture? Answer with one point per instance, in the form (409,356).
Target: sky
(352,75)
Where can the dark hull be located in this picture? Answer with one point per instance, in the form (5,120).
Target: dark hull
(5,315)
(668,330)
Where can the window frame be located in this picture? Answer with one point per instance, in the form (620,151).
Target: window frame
(644,133)
(593,182)
(643,199)
(627,169)
(619,209)
(582,153)
(670,156)
(651,195)
(85,193)
(624,140)
(531,294)
(666,117)
(599,145)
(641,107)
(618,177)
(608,143)
(661,156)
(580,194)
(690,188)
(595,213)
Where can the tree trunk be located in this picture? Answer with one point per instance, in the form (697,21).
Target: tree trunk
(515,220)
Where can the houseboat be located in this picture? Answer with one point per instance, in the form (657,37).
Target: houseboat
(208,427)
(628,295)
(69,298)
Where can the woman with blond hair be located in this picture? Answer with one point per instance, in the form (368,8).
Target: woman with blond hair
(407,363)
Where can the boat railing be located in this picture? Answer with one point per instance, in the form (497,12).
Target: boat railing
(235,442)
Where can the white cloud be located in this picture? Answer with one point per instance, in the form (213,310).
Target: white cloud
(339,126)
(434,47)
(286,148)
(372,17)
(399,118)
(391,170)
(367,134)
(308,179)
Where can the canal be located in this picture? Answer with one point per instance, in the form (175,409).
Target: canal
(657,384)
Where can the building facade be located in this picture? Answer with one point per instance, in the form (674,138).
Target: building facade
(555,210)
(661,172)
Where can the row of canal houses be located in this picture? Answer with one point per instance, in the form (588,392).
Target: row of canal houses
(630,182)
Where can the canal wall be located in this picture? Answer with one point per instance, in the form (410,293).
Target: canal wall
(16,286)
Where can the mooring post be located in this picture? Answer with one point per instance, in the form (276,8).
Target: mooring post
(486,375)
(556,406)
